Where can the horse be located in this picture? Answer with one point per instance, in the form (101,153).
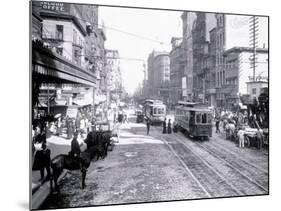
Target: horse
(68,162)
(229,130)
(101,139)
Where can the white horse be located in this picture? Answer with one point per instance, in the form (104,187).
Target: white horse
(229,130)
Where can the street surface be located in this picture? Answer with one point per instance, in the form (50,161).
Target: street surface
(162,167)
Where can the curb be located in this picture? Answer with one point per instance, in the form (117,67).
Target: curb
(41,192)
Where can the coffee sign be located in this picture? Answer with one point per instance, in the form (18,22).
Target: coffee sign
(55,6)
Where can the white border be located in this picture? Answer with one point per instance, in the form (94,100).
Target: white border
(15,103)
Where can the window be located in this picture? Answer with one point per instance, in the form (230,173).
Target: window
(76,57)
(204,118)
(254,91)
(221,39)
(198,118)
(154,110)
(59,32)
(74,36)
(59,50)
(210,117)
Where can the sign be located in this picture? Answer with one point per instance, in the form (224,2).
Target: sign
(55,6)
(72,112)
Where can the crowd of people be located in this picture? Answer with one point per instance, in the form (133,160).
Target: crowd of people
(235,123)
(59,125)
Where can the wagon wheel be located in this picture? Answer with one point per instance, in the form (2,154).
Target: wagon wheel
(247,141)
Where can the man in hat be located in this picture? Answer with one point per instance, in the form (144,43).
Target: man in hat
(75,147)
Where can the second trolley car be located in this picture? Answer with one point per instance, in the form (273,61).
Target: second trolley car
(155,110)
(194,119)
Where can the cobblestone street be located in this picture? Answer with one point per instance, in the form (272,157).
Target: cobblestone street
(162,167)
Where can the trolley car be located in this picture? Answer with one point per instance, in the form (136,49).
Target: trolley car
(194,119)
(155,110)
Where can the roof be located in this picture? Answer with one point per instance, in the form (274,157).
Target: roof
(194,109)
(245,49)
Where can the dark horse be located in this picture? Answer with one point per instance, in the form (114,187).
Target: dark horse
(97,146)
(68,162)
(101,140)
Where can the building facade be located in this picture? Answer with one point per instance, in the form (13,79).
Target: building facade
(188,19)
(158,72)
(239,74)
(210,65)
(113,74)
(176,71)
(200,42)
(233,31)
(63,63)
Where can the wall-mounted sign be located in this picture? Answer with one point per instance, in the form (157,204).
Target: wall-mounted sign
(55,6)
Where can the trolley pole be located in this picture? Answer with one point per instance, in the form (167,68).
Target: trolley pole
(254,43)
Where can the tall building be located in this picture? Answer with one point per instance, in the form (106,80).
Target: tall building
(158,70)
(210,81)
(188,19)
(113,73)
(239,74)
(176,70)
(233,31)
(203,24)
(63,64)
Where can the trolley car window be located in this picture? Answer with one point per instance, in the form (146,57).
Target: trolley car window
(204,118)
(159,111)
(209,118)
(198,118)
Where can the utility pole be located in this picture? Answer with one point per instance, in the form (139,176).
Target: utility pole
(254,21)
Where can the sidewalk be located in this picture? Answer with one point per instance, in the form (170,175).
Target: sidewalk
(141,168)
(57,145)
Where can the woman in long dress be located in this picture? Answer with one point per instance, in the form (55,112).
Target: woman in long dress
(164,126)
(169,127)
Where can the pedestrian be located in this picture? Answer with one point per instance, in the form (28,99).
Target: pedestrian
(42,159)
(218,125)
(70,129)
(169,127)
(164,126)
(241,137)
(75,147)
(59,127)
(147,125)
(82,126)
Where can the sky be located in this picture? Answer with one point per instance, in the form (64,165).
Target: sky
(158,25)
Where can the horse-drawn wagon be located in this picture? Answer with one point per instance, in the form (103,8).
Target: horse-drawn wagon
(252,136)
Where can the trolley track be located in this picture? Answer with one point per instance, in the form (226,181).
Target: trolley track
(226,149)
(254,175)
(207,176)
(237,169)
